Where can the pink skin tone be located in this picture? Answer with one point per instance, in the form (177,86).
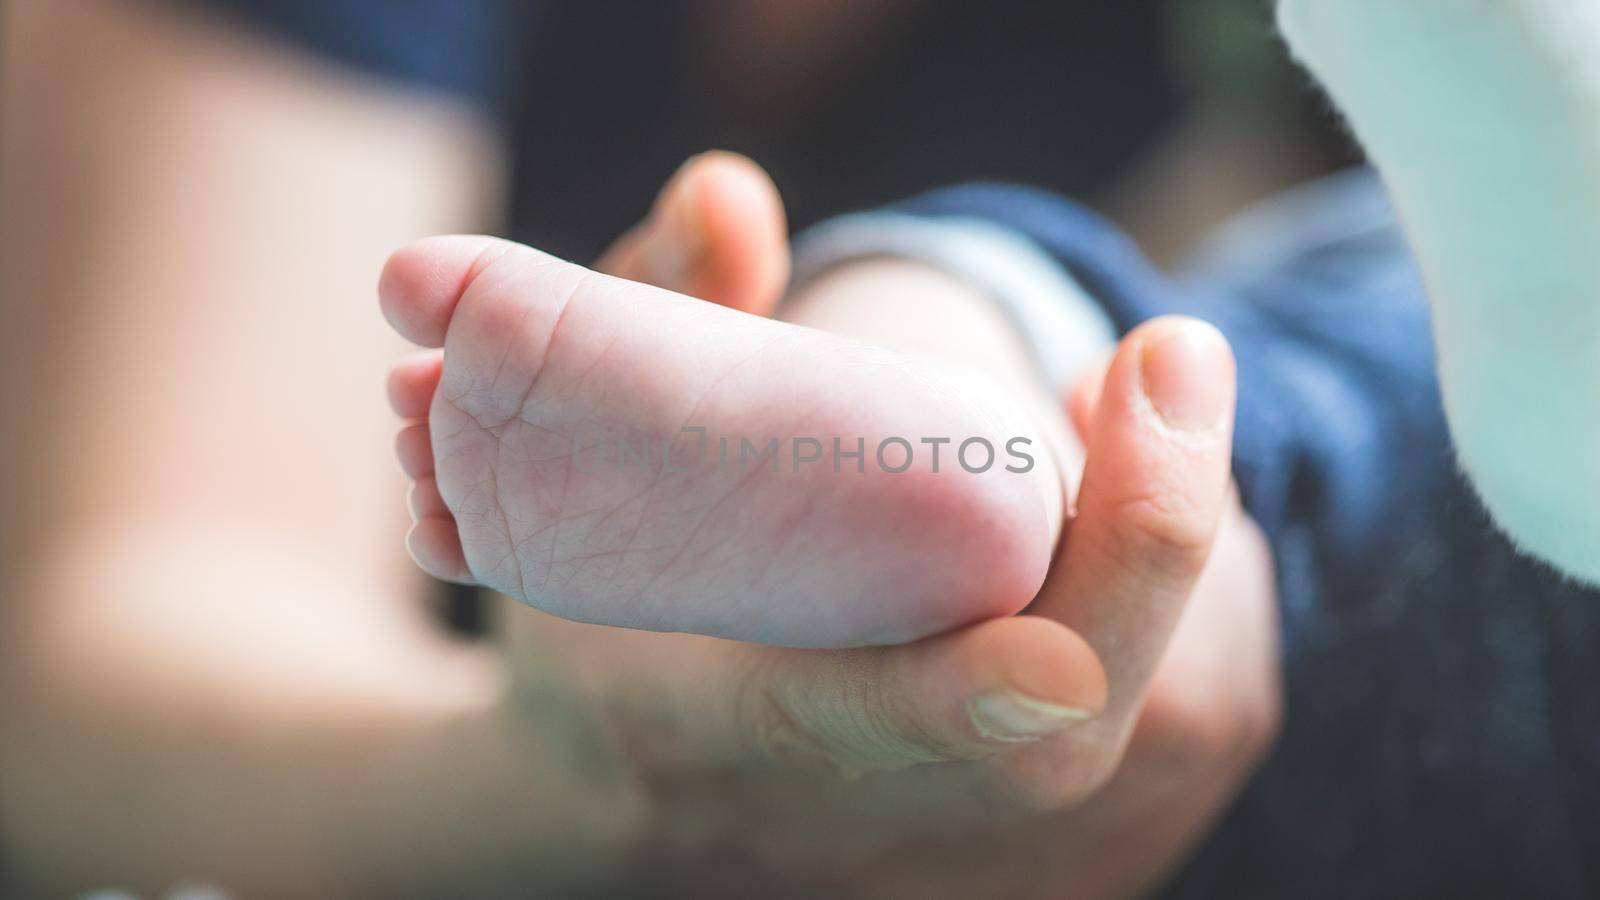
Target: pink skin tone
(348,733)
(541,356)
(1170,710)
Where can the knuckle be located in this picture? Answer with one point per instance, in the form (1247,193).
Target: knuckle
(777,737)
(803,723)
(795,726)
(1163,532)
(885,729)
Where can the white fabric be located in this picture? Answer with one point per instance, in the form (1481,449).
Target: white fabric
(1484,118)
(1064,328)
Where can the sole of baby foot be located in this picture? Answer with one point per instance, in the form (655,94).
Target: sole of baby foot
(619,454)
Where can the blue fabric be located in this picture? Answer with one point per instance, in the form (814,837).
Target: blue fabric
(464,48)
(1442,734)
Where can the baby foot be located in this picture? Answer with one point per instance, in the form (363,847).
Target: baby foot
(1484,118)
(717,231)
(619,454)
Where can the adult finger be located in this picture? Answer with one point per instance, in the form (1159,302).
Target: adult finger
(717,232)
(1155,484)
(966,695)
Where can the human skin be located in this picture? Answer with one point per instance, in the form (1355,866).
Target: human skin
(217,662)
(1209,712)
(542,356)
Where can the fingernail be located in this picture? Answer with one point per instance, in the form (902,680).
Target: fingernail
(1185,369)
(1014,718)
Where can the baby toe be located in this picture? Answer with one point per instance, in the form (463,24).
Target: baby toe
(435,546)
(412,382)
(424,499)
(422,282)
(413,446)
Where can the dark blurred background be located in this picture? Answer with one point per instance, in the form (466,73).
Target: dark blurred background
(847,105)
(850,103)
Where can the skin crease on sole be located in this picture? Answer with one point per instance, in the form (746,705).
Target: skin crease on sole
(551,371)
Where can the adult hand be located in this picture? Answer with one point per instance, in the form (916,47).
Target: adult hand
(998,752)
